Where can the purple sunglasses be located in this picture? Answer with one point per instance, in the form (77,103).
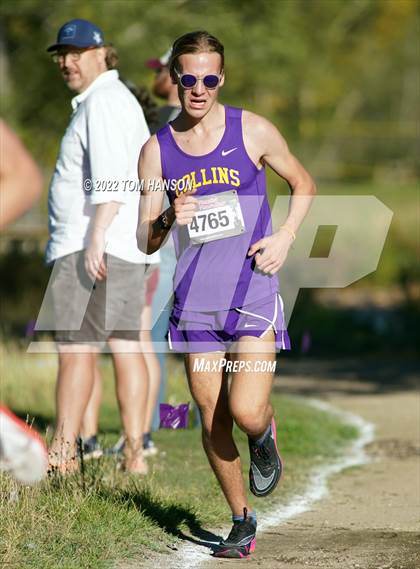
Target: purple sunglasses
(188,81)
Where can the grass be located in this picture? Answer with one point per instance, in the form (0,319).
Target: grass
(108,517)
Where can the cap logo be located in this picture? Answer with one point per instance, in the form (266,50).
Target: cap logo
(69,32)
(97,37)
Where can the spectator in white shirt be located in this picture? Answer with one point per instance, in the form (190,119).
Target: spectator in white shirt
(98,277)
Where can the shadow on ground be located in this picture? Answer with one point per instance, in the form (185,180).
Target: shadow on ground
(168,516)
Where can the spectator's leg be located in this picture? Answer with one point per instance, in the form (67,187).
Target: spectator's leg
(90,420)
(132,386)
(74,387)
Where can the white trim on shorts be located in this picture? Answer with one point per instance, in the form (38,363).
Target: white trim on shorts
(283,343)
(271,322)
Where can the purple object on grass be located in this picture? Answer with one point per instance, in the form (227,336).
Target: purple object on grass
(30,329)
(306,342)
(173,417)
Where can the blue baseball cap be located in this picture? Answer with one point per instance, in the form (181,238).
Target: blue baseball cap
(79,33)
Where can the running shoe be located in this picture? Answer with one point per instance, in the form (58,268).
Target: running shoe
(118,448)
(241,540)
(91,448)
(266,465)
(149,447)
(22,451)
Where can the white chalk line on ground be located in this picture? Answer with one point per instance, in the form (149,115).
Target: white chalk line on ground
(191,556)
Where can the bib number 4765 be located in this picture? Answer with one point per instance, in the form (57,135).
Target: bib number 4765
(219,216)
(211,220)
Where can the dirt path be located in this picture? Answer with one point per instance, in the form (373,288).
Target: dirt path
(371,518)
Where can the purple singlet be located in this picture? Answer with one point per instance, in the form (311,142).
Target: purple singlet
(218,275)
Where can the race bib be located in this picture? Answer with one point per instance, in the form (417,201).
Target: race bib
(218,216)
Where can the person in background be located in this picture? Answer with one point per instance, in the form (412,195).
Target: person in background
(166,89)
(21,179)
(90,424)
(151,111)
(23,453)
(99,275)
(147,103)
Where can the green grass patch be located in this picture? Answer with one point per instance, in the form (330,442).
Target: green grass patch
(107,516)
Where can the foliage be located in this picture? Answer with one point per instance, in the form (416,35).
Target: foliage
(339,78)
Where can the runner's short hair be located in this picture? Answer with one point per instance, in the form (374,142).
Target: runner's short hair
(111,56)
(195,42)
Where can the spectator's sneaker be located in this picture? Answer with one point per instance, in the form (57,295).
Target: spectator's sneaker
(91,448)
(118,448)
(149,447)
(241,540)
(266,465)
(22,451)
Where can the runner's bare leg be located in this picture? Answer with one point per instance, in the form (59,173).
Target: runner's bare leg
(210,392)
(247,402)
(249,396)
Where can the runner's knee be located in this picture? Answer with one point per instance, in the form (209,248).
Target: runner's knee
(216,425)
(252,420)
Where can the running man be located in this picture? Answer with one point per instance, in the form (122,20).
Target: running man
(226,304)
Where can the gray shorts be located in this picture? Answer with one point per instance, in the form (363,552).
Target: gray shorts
(86,312)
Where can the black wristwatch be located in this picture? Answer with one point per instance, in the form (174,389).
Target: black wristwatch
(163,221)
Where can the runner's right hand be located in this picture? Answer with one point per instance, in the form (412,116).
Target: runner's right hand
(185,207)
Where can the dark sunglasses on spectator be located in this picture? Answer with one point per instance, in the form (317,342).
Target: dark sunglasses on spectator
(188,81)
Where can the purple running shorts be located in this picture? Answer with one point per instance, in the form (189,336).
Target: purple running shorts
(195,332)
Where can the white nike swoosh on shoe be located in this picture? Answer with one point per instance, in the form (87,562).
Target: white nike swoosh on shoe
(226,152)
(261,482)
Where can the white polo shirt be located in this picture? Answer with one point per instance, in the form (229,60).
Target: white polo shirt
(97,163)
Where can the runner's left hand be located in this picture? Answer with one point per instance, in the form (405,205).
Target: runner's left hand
(94,256)
(271,252)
